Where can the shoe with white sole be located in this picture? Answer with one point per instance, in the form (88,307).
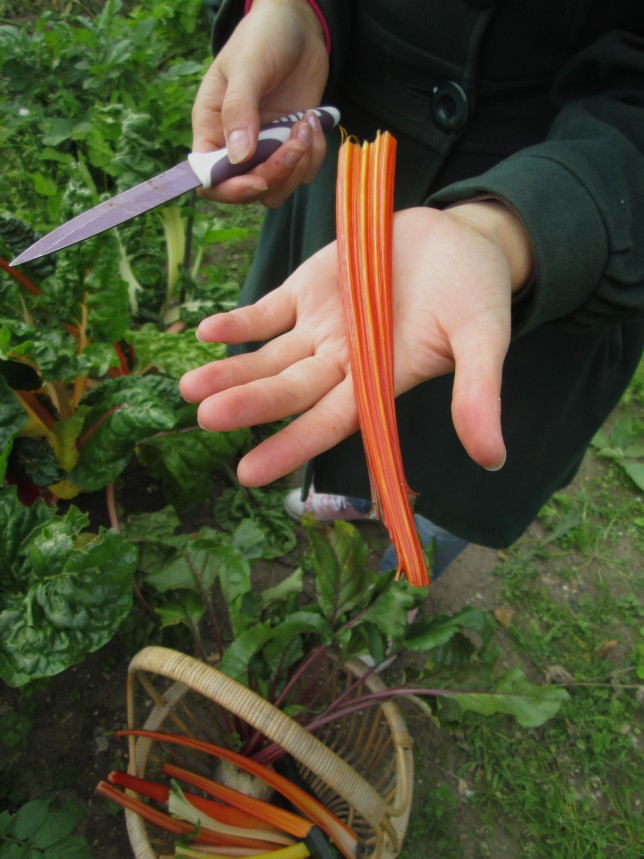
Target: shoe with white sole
(325,507)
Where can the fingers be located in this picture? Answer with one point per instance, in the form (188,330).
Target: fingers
(296,162)
(296,389)
(476,396)
(326,424)
(273,314)
(272,359)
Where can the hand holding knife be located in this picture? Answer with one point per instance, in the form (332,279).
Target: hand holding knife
(200,169)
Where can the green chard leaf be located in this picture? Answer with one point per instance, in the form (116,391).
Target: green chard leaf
(183,460)
(338,560)
(12,420)
(171,353)
(63,591)
(513,694)
(122,412)
(264,507)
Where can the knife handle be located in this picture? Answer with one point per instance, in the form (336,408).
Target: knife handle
(211,168)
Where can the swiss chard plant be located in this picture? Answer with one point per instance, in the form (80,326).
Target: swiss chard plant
(274,639)
(94,339)
(64,589)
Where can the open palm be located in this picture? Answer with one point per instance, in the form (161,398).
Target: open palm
(451,310)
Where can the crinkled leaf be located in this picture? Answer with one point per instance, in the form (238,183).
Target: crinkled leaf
(34,458)
(108,301)
(54,352)
(151,526)
(97,359)
(249,539)
(12,420)
(63,592)
(183,461)
(154,536)
(266,508)
(171,353)
(138,150)
(123,412)
(529,704)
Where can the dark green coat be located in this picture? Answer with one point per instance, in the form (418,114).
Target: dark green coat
(539,103)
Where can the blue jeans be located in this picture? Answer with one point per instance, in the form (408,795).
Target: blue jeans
(446,547)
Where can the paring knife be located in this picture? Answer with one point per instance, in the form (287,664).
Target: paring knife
(200,169)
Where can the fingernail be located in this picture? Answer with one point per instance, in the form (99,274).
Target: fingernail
(238,145)
(254,191)
(499,466)
(292,156)
(313,121)
(304,133)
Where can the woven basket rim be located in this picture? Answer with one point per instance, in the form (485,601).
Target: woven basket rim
(189,673)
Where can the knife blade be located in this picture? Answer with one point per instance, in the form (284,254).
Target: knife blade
(200,169)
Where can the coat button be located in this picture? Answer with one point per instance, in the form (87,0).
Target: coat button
(450,106)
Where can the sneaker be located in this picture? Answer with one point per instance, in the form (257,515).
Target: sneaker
(326,508)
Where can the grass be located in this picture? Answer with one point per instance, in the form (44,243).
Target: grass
(571,589)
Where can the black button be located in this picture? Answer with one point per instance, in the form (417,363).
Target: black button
(450,106)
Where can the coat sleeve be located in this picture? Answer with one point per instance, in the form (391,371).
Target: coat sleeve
(580,193)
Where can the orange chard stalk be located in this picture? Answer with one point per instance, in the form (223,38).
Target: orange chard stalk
(218,811)
(158,818)
(336,830)
(200,834)
(285,820)
(364,214)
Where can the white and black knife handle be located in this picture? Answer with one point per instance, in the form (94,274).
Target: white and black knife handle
(211,168)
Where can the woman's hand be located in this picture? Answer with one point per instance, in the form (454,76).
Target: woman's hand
(452,286)
(274,63)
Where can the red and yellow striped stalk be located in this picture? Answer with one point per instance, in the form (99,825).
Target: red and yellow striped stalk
(364,203)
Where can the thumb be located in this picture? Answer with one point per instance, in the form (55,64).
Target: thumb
(240,115)
(476,402)
(225,112)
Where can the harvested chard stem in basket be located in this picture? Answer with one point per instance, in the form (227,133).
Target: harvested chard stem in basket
(314,812)
(297,851)
(214,816)
(364,210)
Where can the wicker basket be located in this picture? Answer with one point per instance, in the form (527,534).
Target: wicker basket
(360,767)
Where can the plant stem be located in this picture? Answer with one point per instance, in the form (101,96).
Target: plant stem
(18,276)
(210,610)
(110,497)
